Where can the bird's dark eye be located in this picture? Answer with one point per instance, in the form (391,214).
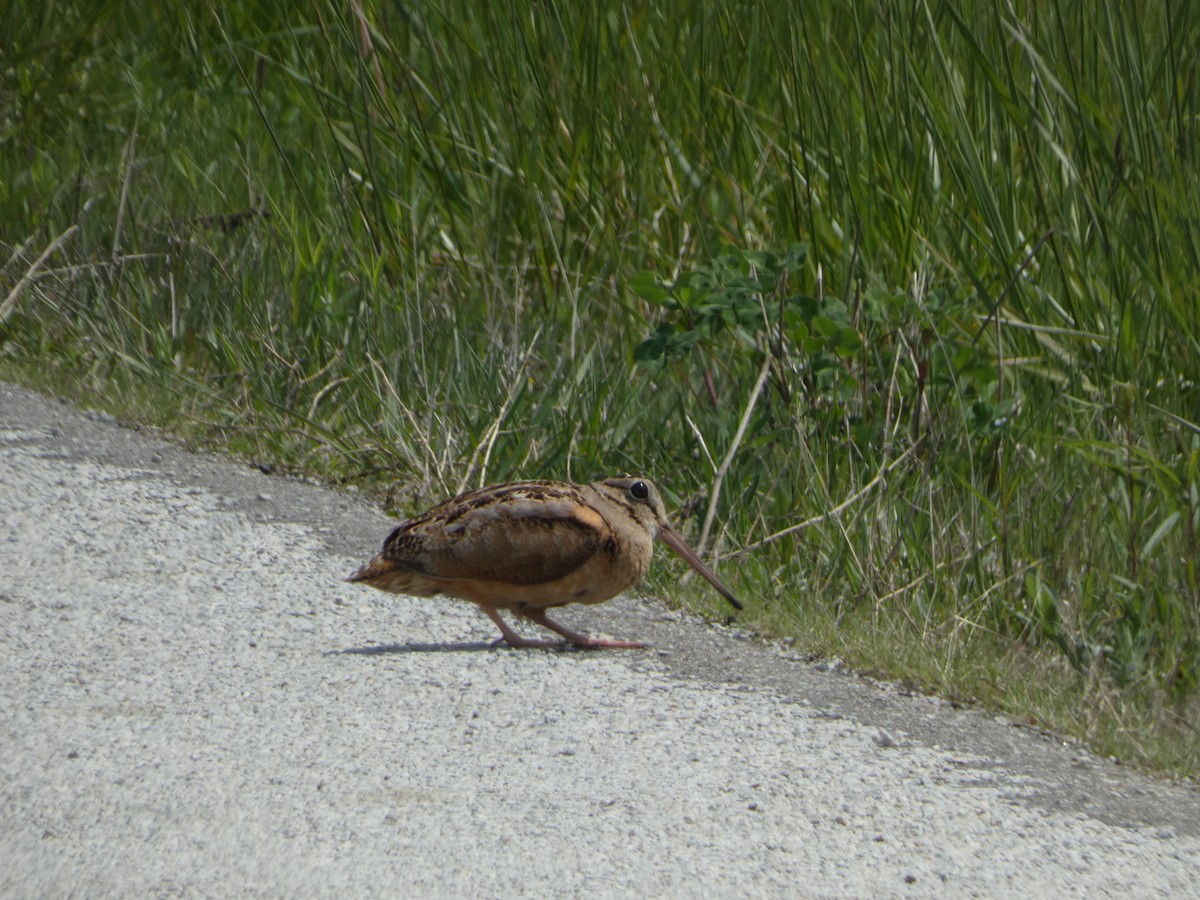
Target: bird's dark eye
(639,490)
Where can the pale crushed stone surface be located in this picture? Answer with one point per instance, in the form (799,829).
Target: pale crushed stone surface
(195,704)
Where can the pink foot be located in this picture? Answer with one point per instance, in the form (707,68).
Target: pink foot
(576,638)
(582,640)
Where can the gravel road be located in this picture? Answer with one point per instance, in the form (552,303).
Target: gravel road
(195,704)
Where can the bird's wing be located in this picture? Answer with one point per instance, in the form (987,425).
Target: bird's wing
(526,533)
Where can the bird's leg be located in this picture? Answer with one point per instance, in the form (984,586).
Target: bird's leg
(512,638)
(579,640)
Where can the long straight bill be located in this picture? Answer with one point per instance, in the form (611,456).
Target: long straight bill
(671,538)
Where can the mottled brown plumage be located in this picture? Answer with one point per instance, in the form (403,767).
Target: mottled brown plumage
(529,546)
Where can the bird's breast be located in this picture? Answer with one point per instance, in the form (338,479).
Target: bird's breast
(616,566)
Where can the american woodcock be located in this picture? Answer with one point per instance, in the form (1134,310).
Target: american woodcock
(529,546)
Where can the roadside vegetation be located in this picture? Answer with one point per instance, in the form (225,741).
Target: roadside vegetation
(899,303)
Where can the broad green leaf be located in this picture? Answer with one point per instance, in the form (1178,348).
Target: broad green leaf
(648,287)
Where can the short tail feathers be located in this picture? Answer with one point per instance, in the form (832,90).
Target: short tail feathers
(377,568)
(388,575)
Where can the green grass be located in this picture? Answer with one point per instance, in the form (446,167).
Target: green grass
(955,247)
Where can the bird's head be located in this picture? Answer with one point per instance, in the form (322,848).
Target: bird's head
(642,500)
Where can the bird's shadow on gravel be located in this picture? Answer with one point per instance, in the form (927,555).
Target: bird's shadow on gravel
(455,647)
(415,647)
